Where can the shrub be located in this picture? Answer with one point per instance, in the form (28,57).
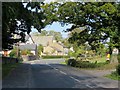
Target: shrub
(13,53)
(54,56)
(25,52)
(71,62)
(118,69)
(118,58)
(85,64)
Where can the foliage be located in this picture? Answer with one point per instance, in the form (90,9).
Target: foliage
(66,43)
(84,64)
(13,53)
(118,58)
(40,49)
(114,76)
(25,52)
(56,56)
(71,62)
(57,35)
(95,17)
(101,20)
(118,69)
(14,12)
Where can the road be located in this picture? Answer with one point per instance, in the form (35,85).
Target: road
(52,74)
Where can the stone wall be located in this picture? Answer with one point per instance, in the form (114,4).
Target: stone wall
(9,60)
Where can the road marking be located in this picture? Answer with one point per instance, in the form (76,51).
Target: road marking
(63,72)
(75,79)
(89,86)
(55,68)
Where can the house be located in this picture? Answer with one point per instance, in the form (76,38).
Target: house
(31,47)
(50,46)
(33,51)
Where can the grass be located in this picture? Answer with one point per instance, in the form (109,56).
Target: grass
(54,57)
(113,76)
(64,63)
(98,59)
(97,63)
(108,66)
(7,68)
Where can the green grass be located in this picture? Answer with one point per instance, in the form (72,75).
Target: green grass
(7,68)
(64,63)
(113,76)
(54,57)
(98,59)
(97,63)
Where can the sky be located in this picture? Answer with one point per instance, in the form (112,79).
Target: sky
(56,27)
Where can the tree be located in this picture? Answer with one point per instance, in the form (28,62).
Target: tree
(101,20)
(14,12)
(13,53)
(57,35)
(40,49)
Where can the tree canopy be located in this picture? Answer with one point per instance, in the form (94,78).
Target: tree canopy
(100,19)
(17,19)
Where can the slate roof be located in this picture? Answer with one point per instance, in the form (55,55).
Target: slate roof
(28,46)
(43,40)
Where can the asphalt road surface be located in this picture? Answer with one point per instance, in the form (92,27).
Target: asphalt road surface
(52,74)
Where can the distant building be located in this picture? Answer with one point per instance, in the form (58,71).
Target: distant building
(31,47)
(50,46)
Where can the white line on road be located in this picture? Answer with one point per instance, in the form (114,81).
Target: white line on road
(63,72)
(75,79)
(89,86)
(80,82)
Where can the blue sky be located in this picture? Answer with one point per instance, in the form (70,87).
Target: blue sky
(56,27)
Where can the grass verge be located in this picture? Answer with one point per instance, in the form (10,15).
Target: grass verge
(113,76)
(64,63)
(7,68)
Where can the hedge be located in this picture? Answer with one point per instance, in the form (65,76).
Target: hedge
(83,64)
(53,56)
(118,69)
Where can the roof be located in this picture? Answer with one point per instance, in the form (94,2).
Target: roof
(43,40)
(28,46)
(57,49)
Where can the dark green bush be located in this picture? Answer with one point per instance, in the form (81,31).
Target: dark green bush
(118,69)
(118,58)
(85,64)
(71,62)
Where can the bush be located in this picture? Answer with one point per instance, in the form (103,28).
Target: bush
(118,69)
(118,58)
(85,64)
(53,56)
(25,52)
(13,53)
(71,62)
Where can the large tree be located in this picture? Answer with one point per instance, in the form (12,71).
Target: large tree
(100,19)
(17,19)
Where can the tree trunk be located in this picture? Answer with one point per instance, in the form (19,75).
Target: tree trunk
(110,52)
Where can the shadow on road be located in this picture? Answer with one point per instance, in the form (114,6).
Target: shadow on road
(52,75)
